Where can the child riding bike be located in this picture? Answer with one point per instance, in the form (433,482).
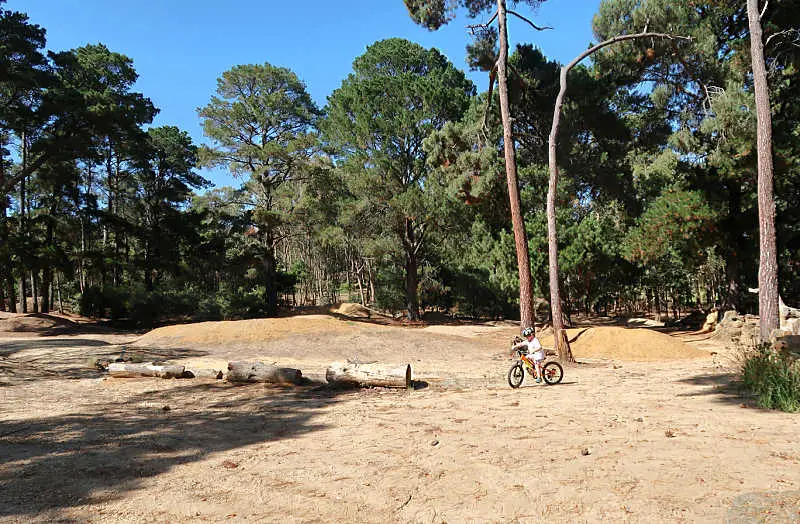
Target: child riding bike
(535,351)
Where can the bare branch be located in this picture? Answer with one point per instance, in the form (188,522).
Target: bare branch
(621,38)
(473,27)
(538,28)
(764,10)
(783,33)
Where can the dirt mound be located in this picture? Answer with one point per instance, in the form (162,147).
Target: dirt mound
(606,342)
(235,332)
(630,344)
(35,323)
(350,309)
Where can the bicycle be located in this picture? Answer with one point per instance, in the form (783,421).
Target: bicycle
(552,372)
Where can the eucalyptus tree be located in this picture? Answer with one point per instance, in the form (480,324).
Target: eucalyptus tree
(262,126)
(396,96)
(435,13)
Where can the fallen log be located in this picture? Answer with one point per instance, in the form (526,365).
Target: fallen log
(244,371)
(203,373)
(369,375)
(145,369)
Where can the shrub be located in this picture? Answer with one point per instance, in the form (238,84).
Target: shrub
(774,378)
(106,301)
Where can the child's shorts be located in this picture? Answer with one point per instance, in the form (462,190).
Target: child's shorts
(538,356)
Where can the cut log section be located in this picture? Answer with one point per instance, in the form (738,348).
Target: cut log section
(203,373)
(146,369)
(370,375)
(259,372)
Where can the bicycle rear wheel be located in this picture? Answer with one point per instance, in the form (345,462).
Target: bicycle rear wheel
(516,375)
(552,372)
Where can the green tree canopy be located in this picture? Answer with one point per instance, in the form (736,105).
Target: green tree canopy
(397,94)
(262,125)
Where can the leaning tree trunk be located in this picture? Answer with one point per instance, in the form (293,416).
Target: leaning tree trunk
(768,263)
(517,221)
(562,344)
(559,335)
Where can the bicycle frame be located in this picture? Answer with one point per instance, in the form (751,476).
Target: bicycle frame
(527,362)
(549,371)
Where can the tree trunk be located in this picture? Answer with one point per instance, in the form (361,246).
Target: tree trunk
(82,265)
(561,341)
(768,262)
(270,267)
(23,288)
(517,220)
(360,284)
(148,369)
(371,283)
(657,300)
(412,282)
(35,290)
(47,270)
(6,273)
(243,371)
(60,302)
(369,375)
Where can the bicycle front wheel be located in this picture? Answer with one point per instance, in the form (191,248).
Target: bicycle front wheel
(515,375)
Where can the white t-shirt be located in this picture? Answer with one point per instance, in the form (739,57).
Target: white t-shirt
(535,349)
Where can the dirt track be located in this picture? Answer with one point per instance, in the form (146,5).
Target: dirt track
(618,441)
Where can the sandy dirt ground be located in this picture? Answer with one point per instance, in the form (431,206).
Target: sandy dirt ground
(651,427)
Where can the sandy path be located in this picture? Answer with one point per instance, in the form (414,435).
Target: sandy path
(667,441)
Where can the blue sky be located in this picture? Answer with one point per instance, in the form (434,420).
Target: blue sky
(179,48)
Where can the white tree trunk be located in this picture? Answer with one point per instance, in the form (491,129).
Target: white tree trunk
(147,369)
(244,371)
(370,375)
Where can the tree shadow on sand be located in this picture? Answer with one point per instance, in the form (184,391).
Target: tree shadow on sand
(99,454)
(9,347)
(73,358)
(726,387)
